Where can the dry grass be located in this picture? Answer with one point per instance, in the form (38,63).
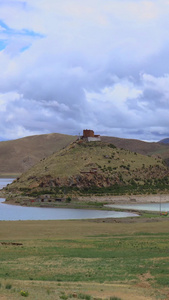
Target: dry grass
(55,291)
(75,158)
(33,230)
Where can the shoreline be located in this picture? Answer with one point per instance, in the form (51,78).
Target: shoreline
(94,201)
(126,199)
(82,203)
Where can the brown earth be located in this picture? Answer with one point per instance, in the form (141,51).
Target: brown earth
(17,156)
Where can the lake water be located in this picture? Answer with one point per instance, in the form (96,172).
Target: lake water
(5,181)
(163,207)
(14,212)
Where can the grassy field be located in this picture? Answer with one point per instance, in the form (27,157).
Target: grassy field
(84,260)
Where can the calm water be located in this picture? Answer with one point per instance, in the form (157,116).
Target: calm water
(146,206)
(5,181)
(14,213)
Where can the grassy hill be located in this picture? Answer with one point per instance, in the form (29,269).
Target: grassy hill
(17,156)
(91,168)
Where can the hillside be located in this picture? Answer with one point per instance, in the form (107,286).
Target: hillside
(146,148)
(164,141)
(84,166)
(17,156)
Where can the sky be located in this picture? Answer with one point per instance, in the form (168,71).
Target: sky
(69,65)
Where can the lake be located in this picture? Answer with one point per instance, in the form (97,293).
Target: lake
(5,181)
(14,213)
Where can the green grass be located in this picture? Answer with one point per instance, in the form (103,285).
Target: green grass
(108,258)
(60,259)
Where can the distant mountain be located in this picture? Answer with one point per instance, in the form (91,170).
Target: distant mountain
(146,148)
(164,141)
(19,155)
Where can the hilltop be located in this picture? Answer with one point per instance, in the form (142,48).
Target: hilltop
(19,155)
(92,167)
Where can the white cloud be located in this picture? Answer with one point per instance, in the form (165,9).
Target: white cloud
(66,65)
(117,94)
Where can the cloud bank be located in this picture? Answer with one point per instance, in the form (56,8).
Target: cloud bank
(70,65)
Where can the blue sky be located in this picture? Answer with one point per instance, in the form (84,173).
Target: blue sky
(71,64)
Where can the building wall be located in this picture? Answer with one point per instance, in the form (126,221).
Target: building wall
(88,133)
(94,139)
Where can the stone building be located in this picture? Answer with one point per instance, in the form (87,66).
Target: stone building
(89,136)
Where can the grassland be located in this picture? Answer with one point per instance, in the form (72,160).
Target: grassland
(84,259)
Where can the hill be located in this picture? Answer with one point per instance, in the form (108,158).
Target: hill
(92,167)
(164,141)
(146,148)
(19,155)
(155,149)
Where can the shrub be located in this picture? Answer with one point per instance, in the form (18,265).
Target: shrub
(24,293)
(68,199)
(8,286)
(84,296)
(63,296)
(109,168)
(111,146)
